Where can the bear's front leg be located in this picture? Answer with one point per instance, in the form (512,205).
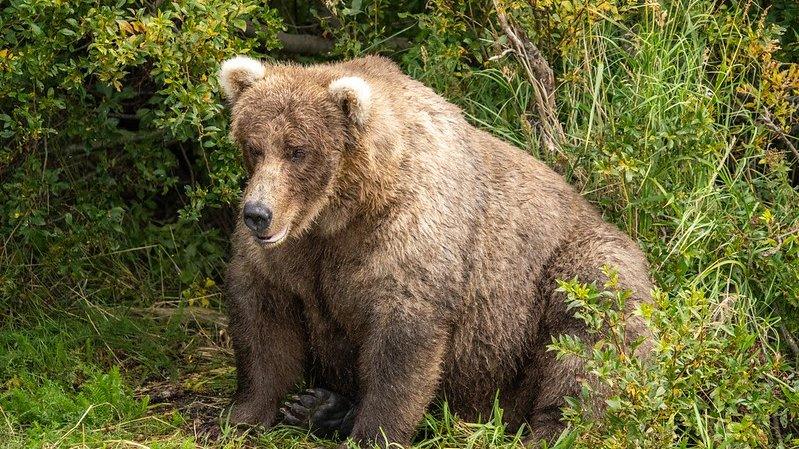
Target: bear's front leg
(400,368)
(267,337)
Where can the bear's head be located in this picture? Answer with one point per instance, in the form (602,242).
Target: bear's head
(294,126)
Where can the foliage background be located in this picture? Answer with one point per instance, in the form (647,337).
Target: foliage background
(118,188)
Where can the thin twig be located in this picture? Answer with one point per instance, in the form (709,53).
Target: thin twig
(127,137)
(541,77)
(766,119)
(791,341)
(780,240)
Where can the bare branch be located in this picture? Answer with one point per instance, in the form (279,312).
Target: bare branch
(126,137)
(790,341)
(304,44)
(542,78)
(186,314)
(310,44)
(766,119)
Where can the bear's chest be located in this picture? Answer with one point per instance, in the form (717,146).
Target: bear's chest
(333,284)
(325,283)
(335,327)
(339,304)
(333,351)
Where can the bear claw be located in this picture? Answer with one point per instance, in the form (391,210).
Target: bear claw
(325,413)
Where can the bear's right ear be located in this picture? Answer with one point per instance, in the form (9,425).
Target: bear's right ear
(354,96)
(239,73)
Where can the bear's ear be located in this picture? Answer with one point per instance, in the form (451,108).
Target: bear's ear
(239,73)
(354,96)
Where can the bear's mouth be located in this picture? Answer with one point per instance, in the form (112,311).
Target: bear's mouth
(274,239)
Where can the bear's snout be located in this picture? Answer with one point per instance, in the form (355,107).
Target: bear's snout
(257,217)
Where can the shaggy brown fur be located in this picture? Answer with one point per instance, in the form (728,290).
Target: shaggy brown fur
(421,255)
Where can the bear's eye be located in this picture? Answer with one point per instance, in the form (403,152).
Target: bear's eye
(297,154)
(254,151)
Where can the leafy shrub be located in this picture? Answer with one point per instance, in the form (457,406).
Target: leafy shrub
(714,379)
(785,14)
(109,109)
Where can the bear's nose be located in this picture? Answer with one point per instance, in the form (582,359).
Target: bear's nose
(257,216)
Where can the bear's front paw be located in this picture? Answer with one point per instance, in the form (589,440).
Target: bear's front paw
(325,413)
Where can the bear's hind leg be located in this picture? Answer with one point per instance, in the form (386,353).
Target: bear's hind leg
(536,399)
(557,379)
(582,258)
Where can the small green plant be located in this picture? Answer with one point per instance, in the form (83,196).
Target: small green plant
(713,378)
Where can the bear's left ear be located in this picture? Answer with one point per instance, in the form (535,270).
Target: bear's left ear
(239,73)
(354,96)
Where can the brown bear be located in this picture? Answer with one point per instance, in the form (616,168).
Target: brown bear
(390,253)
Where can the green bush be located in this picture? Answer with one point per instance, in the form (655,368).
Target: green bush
(713,380)
(111,125)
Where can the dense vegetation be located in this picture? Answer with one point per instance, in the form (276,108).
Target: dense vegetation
(118,187)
